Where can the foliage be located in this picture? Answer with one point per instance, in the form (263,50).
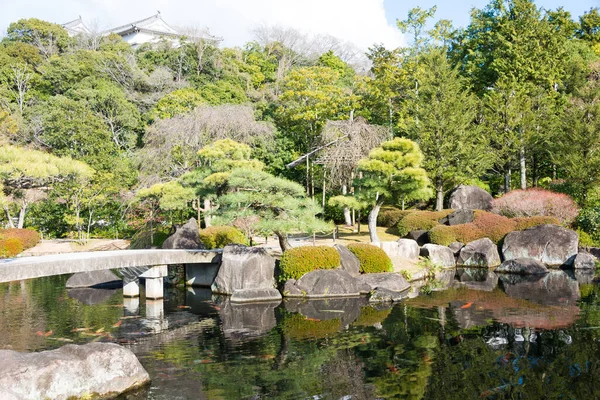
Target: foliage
(420,220)
(28,237)
(300,260)
(372,258)
(10,247)
(390,216)
(217,237)
(588,221)
(537,202)
(530,222)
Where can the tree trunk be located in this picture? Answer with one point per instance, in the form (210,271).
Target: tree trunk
(523,166)
(507,179)
(207,217)
(22,212)
(283,242)
(347,215)
(439,198)
(373,223)
(9,217)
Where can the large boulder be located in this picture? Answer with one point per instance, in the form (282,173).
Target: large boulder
(326,283)
(470,198)
(458,217)
(349,262)
(552,245)
(584,261)
(441,256)
(386,296)
(72,371)
(386,280)
(522,266)
(405,248)
(420,236)
(185,237)
(456,247)
(244,268)
(94,279)
(480,253)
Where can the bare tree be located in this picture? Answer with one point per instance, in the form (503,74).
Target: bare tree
(200,40)
(20,78)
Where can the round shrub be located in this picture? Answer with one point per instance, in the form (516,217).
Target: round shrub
(301,260)
(420,220)
(10,247)
(537,202)
(530,222)
(372,259)
(390,216)
(217,237)
(442,235)
(493,226)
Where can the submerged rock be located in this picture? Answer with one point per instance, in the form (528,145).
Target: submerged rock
(470,198)
(522,266)
(72,371)
(552,245)
(185,237)
(480,253)
(387,296)
(386,280)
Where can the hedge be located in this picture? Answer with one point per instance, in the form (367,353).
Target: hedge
(10,247)
(217,237)
(537,202)
(420,220)
(300,260)
(389,217)
(13,241)
(372,259)
(526,223)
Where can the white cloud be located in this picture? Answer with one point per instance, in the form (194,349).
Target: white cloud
(361,22)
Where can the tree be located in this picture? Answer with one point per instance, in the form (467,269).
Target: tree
(280,206)
(442,121)
(415,24)
(23,170)
(49,38)
(392,173)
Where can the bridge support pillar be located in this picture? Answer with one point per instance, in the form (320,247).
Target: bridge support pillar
(154,281)
(131,289)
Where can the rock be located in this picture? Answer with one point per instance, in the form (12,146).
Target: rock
(185,237)
(248,320)
(556,288)
(328,283)
(350,262)
(584,261)
(405,248)
(244,268)
(470,198)
(94,279)
(584,276)
(291,290)
(458,217)
(480,253)
(456,247)
(420,236)
(522,266)
(72,371)
(386,280)
(441,256)
(255,295)
(386,296)
(552,245)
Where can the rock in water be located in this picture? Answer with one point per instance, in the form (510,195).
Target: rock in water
(327,283)
(552,245)
(480,253)
(441,256)
(458,217)
(94,279)
(244,269)
(584,261)
(522,266)
(72,371)
(350,262)
(470,198)
(386,280)
(185,237)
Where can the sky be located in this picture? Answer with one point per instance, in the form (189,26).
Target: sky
(362,22)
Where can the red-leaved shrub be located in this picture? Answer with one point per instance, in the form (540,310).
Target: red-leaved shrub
(28,237)
(537,202)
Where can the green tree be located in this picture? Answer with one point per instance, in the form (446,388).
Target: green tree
(49,38)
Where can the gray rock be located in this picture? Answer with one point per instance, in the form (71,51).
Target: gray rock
(94,279)
(556,288)
(584,261)
(328,283)
(386,280)
(552,245)
(456,247)
(441,256)
(350,262)
(244,268)
(255,295)
(480,253)
(185,237)
(458,217)
(420,236)
(291,290)
(72,371)
(470,198)
(405,248)
(386,296)
(522,266)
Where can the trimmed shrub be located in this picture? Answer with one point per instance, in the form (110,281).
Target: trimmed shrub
(443,235)
(537,202)
(390,216)
(28,237)
(10,247)
(417,220)
(526,223)
(372,259)
(493,226)
(301,260)
(217,237)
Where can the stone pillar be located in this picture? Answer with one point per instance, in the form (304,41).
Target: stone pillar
(131,289)
(154,281)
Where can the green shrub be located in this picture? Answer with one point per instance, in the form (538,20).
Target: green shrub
(420,220)
(589,222)
(217,237)
(530,222)
(10,247)
(28,237)
(390,216)
(585,240)
(301,260)
(443,235)
(372,259)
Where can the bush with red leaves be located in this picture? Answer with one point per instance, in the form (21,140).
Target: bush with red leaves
(537,203)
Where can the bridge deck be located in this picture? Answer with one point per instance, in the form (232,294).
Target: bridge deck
(16,269)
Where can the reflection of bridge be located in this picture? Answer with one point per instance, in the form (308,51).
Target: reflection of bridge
(148,264)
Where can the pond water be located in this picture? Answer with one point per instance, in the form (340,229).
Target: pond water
(475,335)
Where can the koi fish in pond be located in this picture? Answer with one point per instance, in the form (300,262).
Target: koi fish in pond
(468,305)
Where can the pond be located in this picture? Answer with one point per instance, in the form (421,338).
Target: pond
(474,335)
